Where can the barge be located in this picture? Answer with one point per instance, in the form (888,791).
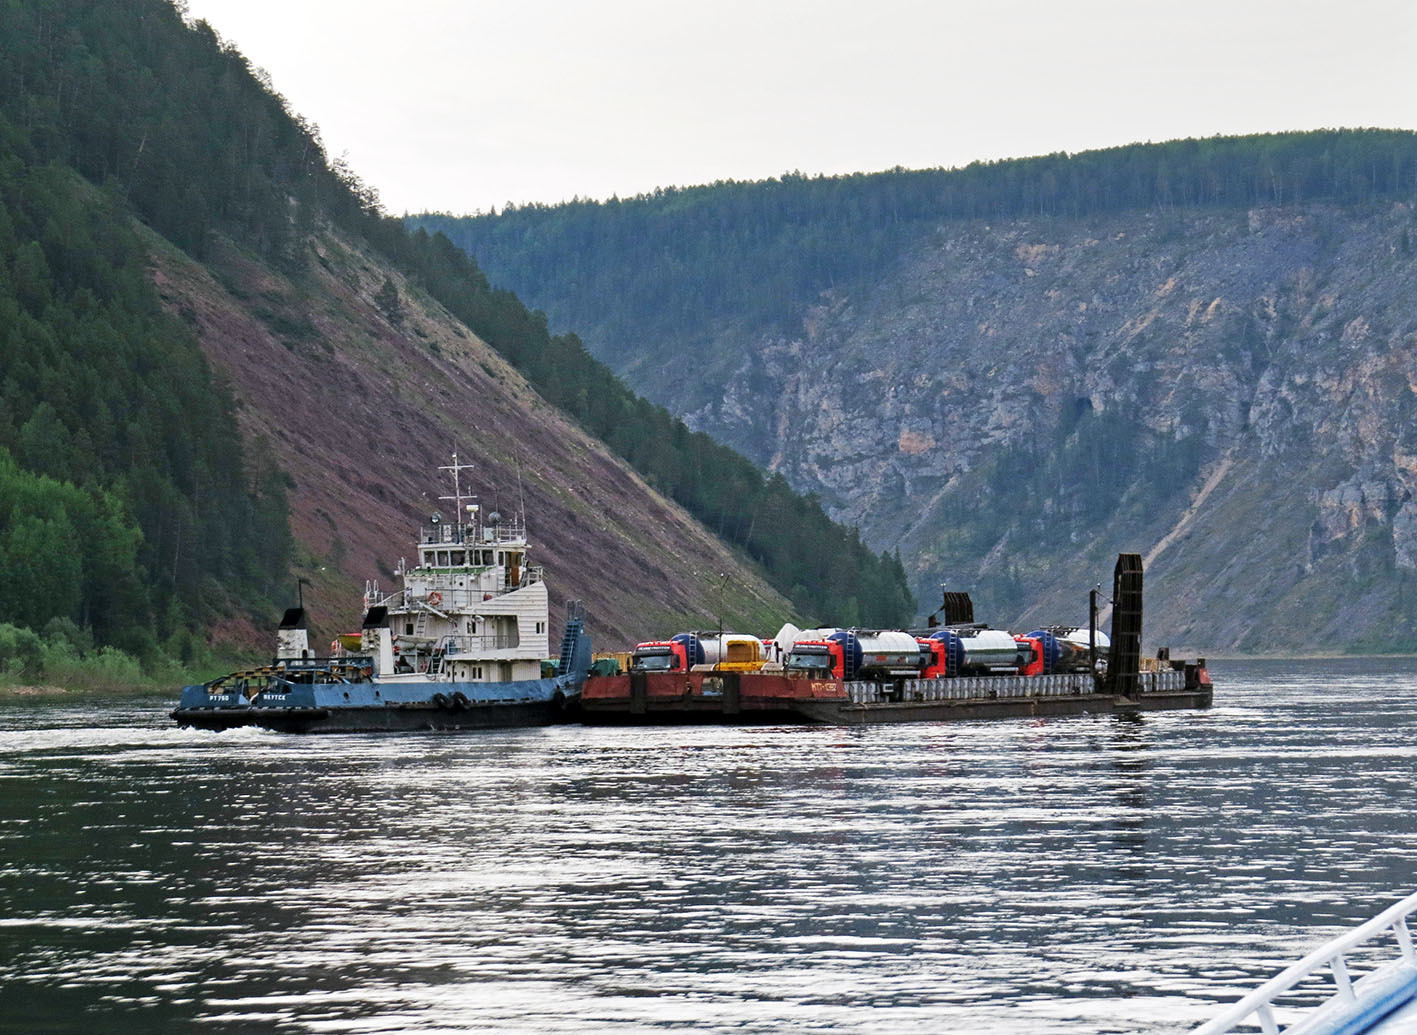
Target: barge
(847,678)
(462,644)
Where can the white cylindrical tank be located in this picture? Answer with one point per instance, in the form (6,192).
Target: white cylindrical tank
(783,641)
(887,653)
(887,641)
(989,648)
(1078,637)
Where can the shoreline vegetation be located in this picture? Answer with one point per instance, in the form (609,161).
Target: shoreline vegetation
(65,661)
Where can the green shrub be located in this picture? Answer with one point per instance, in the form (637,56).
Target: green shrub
(22,652)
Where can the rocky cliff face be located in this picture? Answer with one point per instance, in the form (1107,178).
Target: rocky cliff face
(1230,393)
(363,386)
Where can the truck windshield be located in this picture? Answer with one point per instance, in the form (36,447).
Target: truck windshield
(654,662)
(809,662)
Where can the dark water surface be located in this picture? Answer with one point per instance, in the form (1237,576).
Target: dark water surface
(1065,875)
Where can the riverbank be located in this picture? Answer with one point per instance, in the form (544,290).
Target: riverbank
(48,694)
(98,678)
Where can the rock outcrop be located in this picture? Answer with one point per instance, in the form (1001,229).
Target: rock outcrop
(1019,400)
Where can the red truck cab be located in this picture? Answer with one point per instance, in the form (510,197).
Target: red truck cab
(934,652)
(659,656)
(1030,649)
(823,659)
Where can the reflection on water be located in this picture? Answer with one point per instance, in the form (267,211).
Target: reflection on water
(1062,875)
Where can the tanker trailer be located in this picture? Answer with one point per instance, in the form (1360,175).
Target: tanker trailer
(1065,649)
(1078,637)
(733,652)
(978,651)
(878,654)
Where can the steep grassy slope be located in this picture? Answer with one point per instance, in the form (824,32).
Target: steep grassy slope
(360,409)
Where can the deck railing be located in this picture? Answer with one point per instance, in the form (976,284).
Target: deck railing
(452,599)
(964,688)
(474,643)
(1258,1006)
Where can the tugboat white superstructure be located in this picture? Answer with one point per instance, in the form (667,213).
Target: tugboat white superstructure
(464,643)
(472,608)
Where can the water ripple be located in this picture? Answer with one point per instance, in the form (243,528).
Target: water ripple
(1088,874)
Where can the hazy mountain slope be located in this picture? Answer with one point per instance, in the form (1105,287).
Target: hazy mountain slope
(360,410)
(1050,386)
(1009,401)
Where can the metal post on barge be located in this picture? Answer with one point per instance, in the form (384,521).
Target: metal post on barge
(1124,654)
(1092,627)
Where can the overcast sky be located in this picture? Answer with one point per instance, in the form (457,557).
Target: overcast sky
(463,105)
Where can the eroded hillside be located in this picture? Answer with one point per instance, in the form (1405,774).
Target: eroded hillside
(362,393)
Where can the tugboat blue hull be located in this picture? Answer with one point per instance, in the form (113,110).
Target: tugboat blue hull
(376,706)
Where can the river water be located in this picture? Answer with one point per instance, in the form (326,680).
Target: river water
(1083,874)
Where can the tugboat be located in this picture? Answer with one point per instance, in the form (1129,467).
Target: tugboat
(461,645)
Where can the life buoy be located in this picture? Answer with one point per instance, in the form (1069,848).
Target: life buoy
(435,598)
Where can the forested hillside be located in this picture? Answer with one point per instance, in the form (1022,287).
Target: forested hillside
(1011,371)
(696,264)
(128,504)
(116,111)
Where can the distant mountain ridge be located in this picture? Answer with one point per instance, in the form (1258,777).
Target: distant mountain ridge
(1219,369)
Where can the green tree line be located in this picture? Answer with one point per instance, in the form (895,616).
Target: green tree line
(123,485)
(663,266)
(128,505)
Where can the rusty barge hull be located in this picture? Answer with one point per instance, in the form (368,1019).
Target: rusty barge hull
(991,708)
(740,698)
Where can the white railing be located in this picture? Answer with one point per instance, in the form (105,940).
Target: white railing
(1259,1004)
(473,535)
(474,643)
(455,599)
(968,688)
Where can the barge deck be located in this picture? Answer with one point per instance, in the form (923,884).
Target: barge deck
(748,697)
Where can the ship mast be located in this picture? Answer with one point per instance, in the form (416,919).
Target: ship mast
(457,497)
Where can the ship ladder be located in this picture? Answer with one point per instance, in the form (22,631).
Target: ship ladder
(575,624)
